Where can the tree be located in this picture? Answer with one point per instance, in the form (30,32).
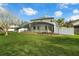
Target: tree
(68,24)
(15,21)
(6,19)
(60,22)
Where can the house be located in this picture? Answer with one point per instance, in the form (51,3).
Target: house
(42,25)
(13,28)
(75,26)
(18,28)
(22,29)
(48,25)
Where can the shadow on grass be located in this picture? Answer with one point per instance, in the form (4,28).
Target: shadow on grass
(2,34)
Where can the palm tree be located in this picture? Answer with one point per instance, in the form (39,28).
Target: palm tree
(60,23)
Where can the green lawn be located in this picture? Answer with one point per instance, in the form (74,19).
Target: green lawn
(24,44)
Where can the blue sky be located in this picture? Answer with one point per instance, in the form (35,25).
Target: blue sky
(28,11)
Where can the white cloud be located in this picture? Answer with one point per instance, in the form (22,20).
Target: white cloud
(29,11)
(75,11)
(74,17)
(63,5)
(73,3)
(58,13)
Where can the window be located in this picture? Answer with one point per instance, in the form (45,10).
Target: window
(34,27)
(45,27)
(38,27)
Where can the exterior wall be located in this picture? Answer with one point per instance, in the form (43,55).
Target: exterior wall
(48,20)
(65,30)
(41,28)
(22,30)
(11,30)
(55,27)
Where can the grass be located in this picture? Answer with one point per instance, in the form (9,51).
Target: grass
(25,44)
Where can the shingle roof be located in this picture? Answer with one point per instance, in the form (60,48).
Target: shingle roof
(46,18)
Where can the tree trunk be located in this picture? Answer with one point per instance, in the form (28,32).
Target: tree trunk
(6,33)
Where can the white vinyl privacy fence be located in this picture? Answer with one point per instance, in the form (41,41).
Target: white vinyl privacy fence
(66,30)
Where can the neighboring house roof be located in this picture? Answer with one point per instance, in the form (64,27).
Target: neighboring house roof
(23,25)
(74,21)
